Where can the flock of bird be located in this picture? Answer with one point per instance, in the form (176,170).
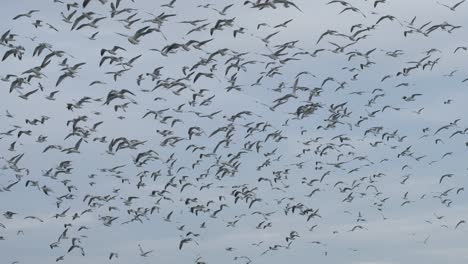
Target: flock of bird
(228,131)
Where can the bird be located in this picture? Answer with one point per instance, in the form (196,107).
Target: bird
(460,223)
(222,118)
(26,95)
(448,175)
(28,14)
(453,7)
(135,38)
(185,241)
(144,253)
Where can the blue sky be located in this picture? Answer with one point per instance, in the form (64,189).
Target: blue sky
(422,230)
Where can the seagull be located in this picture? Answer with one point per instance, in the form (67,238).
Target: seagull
(28,14)
(453,7)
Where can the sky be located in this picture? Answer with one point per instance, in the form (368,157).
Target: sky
(378,198)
